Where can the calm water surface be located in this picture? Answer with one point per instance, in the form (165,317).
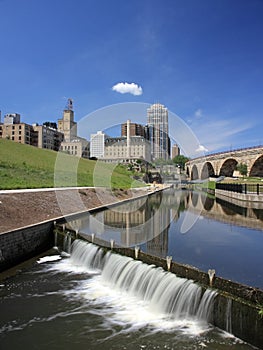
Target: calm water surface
(53,303)
(206,232)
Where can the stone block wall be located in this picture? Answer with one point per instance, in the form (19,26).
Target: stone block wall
(22,244)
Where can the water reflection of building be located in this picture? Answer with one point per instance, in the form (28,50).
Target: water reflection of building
(159,245)
(135,213)
(144,220)
(229,210)
(169,206)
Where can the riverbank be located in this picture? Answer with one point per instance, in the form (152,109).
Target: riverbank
(22,208)
(28,217)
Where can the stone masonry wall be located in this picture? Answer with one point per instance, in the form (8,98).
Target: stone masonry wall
(22,244)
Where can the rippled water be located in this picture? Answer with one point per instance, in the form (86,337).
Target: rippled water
(57,303)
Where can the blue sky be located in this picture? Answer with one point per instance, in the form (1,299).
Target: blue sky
(202,59)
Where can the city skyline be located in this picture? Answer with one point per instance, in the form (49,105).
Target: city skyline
(201,59)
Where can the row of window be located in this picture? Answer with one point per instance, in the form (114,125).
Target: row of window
(13,127)
(67,148)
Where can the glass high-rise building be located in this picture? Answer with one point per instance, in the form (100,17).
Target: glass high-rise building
(157,125)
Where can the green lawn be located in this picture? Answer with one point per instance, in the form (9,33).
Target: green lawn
(24,166)
(243,180)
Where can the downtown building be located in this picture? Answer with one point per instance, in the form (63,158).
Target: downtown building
(41,136)
(127,150)
(175,151)
(13,129)
(157,131)
(134,129)
(72,144)
(48,136)
(97,144)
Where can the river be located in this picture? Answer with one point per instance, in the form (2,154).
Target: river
(57,302)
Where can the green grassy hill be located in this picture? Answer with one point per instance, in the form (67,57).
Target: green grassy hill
(24,166)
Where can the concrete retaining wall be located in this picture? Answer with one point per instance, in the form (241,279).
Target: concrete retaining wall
(19,245)
(241,196)
(239,318)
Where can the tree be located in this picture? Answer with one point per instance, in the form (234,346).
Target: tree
(242,168)
(52,125)
(180,160)
(161,161)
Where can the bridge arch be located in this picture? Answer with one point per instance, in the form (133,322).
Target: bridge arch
(207,171)
(194,173)
(257,167)
(228,211)
(258,214)
(187,172)
(207,202)
(228,167)
(194,198)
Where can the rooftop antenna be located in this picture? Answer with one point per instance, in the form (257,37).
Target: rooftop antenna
(69,105)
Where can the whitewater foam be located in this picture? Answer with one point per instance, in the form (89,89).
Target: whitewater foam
(128,292)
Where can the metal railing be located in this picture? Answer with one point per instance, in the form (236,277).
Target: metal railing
(241,188)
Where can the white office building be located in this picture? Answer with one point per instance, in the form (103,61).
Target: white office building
(97,145)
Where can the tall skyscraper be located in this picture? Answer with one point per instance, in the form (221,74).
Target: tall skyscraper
(157,123)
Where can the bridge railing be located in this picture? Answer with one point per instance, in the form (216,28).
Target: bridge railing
(241,188)
(225,152)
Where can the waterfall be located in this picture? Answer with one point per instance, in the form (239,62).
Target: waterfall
(67,243)
(229,316)
(86,254)
(164,292)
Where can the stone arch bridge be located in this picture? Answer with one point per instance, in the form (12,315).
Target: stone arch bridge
(224,163)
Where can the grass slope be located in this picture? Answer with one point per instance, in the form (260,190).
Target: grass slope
(24,166)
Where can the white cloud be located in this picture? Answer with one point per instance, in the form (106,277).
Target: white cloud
(201,148)
(128,88)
